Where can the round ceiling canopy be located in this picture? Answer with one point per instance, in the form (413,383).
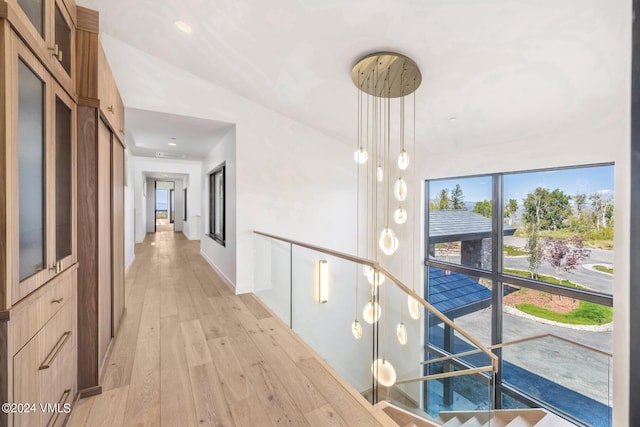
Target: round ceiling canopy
(386,75)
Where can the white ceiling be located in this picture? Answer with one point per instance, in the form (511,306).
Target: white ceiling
(506,69)
(150,132)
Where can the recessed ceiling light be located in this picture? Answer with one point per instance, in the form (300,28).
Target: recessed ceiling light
(173,144)
(166,176)
(184,27)
(452,119)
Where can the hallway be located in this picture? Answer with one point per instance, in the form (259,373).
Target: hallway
(189,353)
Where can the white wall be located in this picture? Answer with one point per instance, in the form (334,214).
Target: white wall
(221,258)
(129,212)
(296,182)
(192,172)
(291,180)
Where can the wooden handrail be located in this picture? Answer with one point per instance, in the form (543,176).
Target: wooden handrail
(398,283)
(448,374)
(352,258)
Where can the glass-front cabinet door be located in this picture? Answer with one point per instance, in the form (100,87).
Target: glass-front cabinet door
(51,33)
(41,174)
(64,123)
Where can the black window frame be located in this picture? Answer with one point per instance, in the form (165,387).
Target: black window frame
(185,206)
(214,199)
(498,277)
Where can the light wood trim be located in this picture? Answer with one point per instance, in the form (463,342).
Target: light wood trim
(70,6)
(117,232)
(337,254)
(448,374)
(88,20)
(6,209)
(6,380)
(523,340)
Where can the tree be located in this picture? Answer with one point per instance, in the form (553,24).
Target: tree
(483,208)
(546,210)
(564,254)
(443,200)
(510,211)
(533,250)
(580,203)
(601,206)
(457,198)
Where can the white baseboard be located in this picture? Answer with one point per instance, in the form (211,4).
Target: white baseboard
(223,276)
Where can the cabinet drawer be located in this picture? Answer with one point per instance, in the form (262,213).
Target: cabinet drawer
(30,315)
(110,101)
(44,369)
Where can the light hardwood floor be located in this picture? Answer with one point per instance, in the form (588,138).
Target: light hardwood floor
(189,352)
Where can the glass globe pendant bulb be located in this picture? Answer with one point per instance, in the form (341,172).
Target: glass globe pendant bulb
(366,270)
(400,190)
(361,156)
(380,173)
(403,160)
(372,312)
(375,278)
(356,329)
(400,215)
(388,241)
(384,372)
(401,333)
(414,307)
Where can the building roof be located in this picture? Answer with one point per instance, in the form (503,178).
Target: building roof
(456,294)
(460,225)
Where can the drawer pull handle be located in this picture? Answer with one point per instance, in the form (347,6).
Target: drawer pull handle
(55,351)
(63,399)
(57,301)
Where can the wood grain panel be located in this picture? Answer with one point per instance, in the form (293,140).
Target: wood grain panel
(87,64)
(5,381)
(143,406)
(105,265)
(117,232)
(109,411)
(6,118)
(87,244)
(87,19)
(176,401)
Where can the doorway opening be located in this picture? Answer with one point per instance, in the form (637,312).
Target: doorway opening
(165,206)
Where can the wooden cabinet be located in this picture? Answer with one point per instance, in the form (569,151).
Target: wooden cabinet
(40,174)
(48,28)
(38,214)
(101,199)
(44,367)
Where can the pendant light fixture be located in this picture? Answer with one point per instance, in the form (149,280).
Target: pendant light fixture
(356,328)
(383,77)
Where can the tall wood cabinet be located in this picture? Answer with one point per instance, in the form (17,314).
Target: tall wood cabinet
(61,208)
(38,214)
(101,203)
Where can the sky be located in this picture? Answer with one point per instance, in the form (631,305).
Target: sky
(587,180)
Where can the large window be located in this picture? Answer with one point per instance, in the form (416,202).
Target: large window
(524,262)
(217,205)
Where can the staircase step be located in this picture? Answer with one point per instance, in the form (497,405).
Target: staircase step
(453,422)
(519,421)
(552,420)
(472,422)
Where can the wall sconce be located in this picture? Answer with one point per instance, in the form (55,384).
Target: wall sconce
(323,283)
